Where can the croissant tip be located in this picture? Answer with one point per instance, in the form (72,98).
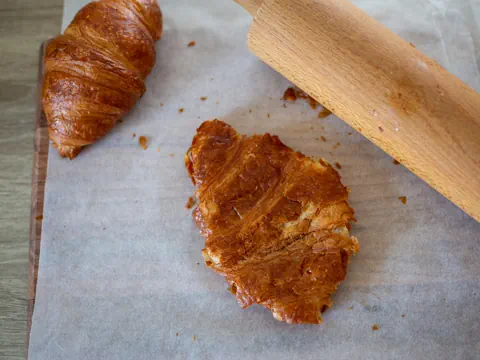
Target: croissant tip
(68,151)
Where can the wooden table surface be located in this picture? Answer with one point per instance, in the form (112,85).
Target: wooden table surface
(24,25)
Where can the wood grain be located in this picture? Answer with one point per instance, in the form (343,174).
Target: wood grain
(24,25)
(39,176)
(385,88)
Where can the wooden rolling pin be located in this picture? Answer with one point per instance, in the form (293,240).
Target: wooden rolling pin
(401,100)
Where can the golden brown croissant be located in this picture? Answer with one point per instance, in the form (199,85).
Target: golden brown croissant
(275,221)
(95,71)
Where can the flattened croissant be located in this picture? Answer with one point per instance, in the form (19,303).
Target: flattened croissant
(95,71)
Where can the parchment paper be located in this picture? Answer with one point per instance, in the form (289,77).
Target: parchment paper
(121,272)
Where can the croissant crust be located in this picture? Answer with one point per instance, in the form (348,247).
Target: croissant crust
(95,72)
(275,222)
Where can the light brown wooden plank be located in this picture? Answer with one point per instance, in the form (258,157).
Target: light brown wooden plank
(24,25)
(39,176)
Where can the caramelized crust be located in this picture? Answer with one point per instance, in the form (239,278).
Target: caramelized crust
(95,71)
(275,221)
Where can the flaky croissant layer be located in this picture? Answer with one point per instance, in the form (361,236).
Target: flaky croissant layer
(276,222)
(95,72)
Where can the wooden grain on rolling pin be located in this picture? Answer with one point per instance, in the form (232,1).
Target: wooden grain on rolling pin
(373,79)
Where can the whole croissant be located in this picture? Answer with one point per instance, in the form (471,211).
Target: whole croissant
(95,72)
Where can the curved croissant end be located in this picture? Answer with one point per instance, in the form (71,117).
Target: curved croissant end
(95,71)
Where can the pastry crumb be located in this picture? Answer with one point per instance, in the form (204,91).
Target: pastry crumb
(158,149)
(192,43)
(143,142)
(203,98)
(336,145)
(249,111)
(193,338)
(190,203)
(375,327)
(39,217)
(181,110)
(395,162)
(134,135)
(403,315)
(172,155)
(380,129)
(268,115)
(176,334)
(300,94)
(350,308)
(323,138)
(403,199)
(338,166)
(412,45)
(289,94)
(161,104)
(324,113)
(350,133)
